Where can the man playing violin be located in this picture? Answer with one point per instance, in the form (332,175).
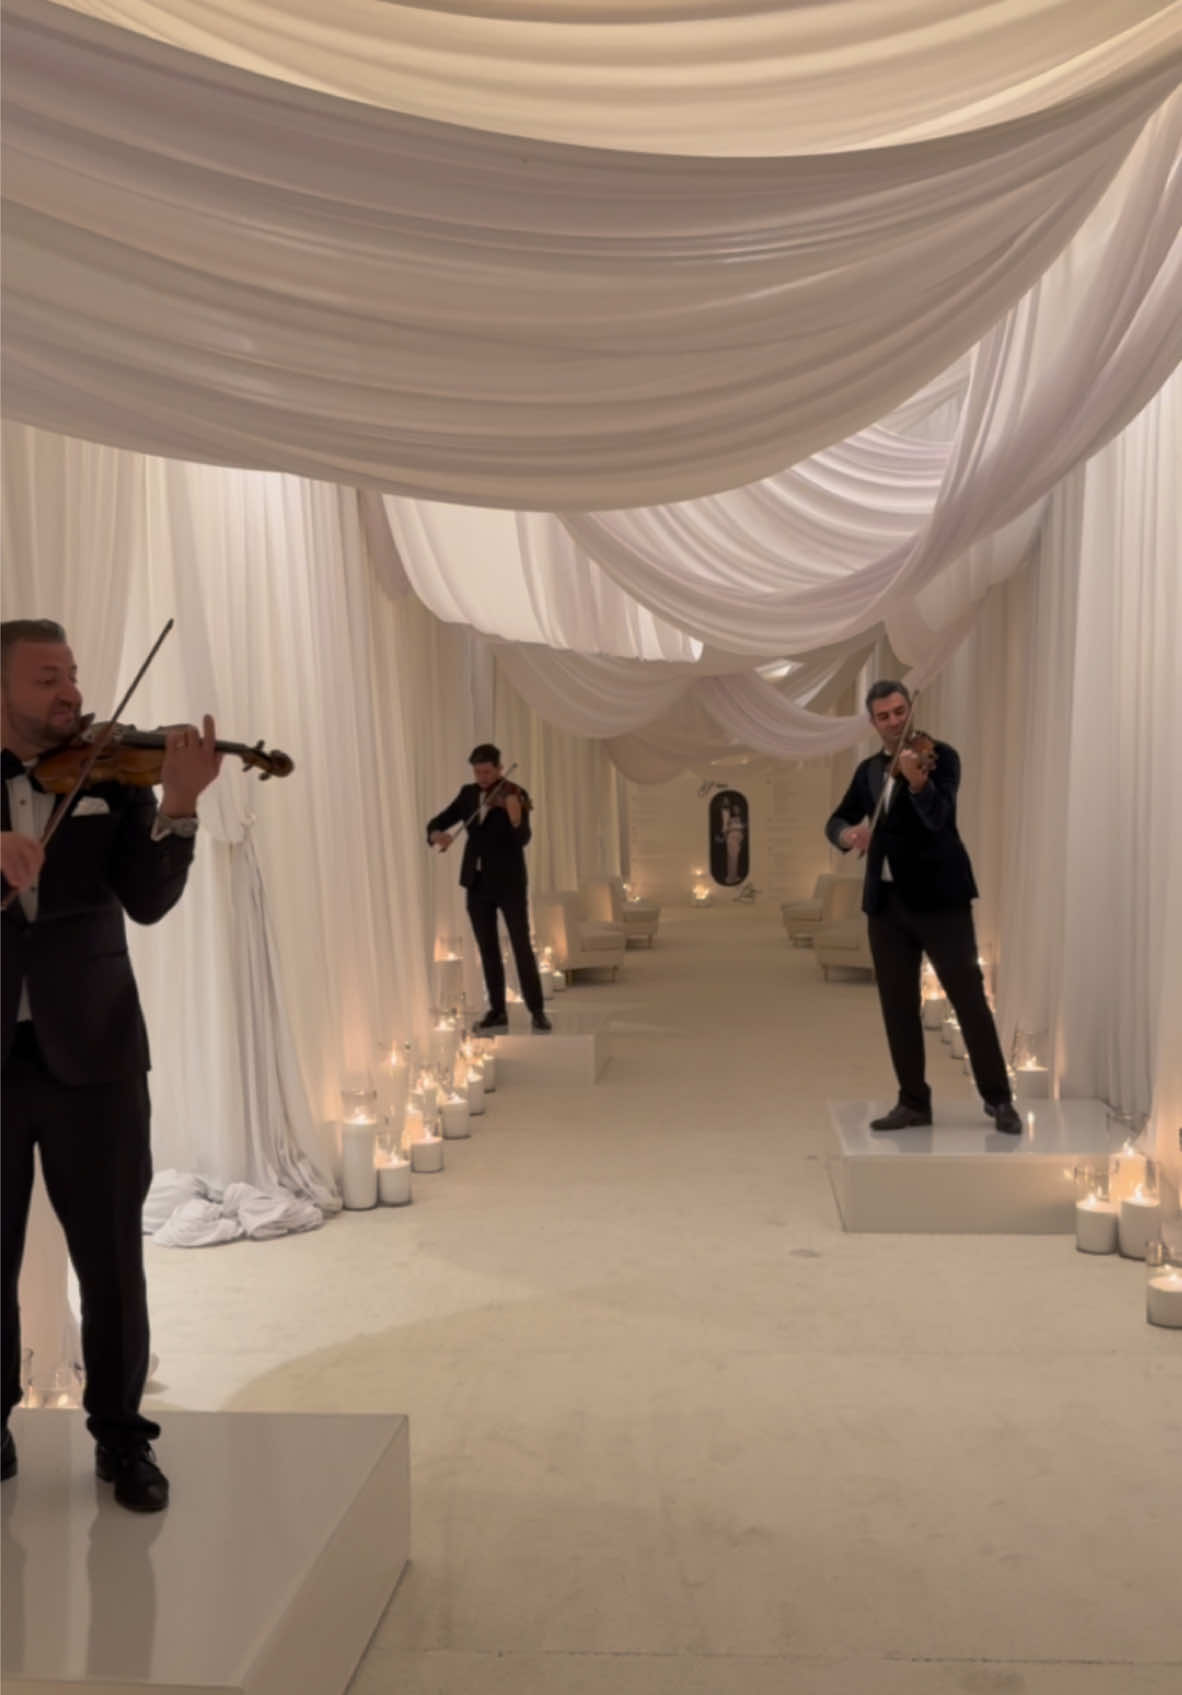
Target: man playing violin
(493,873)
(917,893)
(75,1048)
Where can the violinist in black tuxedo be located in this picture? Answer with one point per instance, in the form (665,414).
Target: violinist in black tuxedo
(917,893)
(75,1049)
(493,872)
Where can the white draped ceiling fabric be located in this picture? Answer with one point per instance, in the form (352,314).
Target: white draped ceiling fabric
(215,265)
(663,342)
(681,76)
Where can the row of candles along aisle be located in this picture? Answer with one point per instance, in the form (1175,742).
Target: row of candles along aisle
(1120,1202)
(396,1122)
(1125,1204)
(449,971)
(1029,1080)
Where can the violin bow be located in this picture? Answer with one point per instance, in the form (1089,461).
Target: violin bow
(88,764)
(500,782)
(881,801)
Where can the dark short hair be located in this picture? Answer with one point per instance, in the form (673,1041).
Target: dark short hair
(15,630)
(485,754)
(884,687)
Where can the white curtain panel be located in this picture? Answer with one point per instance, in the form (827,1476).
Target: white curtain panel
(680,76)
(216,266)
(1125,764)
(1064,704)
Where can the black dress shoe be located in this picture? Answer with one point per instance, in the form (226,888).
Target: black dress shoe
(542,1024)
(491,1024)
(902,1118)
(1005,1116)
(140,1485)
(8,1465)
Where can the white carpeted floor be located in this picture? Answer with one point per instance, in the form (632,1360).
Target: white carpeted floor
(673,1432)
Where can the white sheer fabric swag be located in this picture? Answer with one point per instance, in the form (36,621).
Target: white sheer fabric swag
(680,76)
(215,266)
(830,546)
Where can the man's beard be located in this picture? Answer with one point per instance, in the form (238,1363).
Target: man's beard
(51,732)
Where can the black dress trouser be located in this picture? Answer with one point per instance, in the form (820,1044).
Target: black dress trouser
(484,902)
(96,1159)
(899,938)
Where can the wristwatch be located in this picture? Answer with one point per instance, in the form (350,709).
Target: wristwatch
(163,826)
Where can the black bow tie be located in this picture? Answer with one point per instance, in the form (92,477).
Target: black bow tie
(14,767)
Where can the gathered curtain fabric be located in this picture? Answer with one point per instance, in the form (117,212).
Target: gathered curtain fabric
(1064,703)
(215,265)
(680,76)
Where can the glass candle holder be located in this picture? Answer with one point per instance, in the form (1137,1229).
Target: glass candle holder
(1139,1218)
(1163,1277)
(1095,1214)
(359,1101)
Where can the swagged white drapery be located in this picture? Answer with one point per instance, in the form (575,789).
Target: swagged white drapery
(217,266)
(882,525)
(679,76)
(203,261)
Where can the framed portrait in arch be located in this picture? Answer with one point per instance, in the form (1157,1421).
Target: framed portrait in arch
(730,843)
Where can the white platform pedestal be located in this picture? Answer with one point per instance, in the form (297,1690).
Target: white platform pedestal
(267,1575)
(962,1177)
(575,1052)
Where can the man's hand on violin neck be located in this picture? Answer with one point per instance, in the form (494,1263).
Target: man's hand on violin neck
(191,762)
(911,768)
(21,859)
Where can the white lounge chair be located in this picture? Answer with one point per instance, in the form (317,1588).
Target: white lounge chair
(578,943)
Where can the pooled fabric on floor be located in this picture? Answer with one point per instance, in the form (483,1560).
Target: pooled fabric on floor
(185,1210)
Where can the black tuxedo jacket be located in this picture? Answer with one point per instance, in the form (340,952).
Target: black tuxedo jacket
(916,835)
(493,850)
(82,993)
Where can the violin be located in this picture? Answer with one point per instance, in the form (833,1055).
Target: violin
(136,757)
(922,745)
(503,789)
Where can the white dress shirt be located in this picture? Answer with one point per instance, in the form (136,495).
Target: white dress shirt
(888,794)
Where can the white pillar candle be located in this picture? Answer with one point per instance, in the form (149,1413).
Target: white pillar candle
(1140,1216)
(559,982)
(957,1042)
(455,1116)
(1032,1083)
(1095,1225)
(1163,1298)
(488,1065)
(935,1011)
(394,1183)
(946,1029)
(546,977)
(427,1154)
(445,1039)
(359,1179)
(475,1093)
